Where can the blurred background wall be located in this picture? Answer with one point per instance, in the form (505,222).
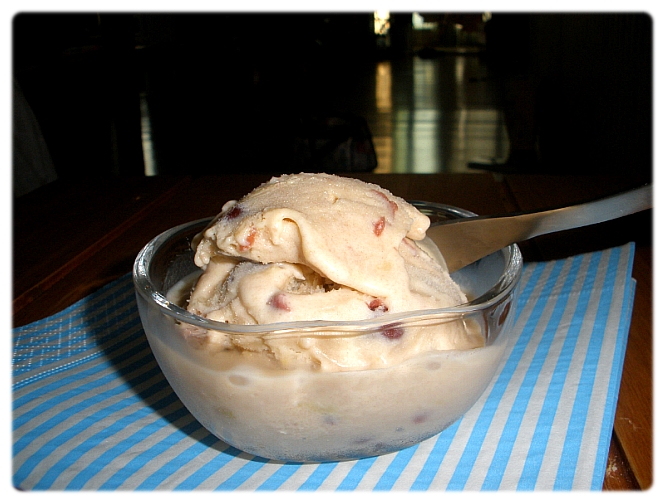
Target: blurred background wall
(228,92)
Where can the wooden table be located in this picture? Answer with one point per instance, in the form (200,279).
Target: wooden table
(72,237)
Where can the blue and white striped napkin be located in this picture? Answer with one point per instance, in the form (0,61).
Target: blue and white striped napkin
(92,410)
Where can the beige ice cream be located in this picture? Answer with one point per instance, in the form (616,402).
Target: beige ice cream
(322,247)
(374,379)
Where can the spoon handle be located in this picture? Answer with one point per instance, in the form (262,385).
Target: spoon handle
(465,240)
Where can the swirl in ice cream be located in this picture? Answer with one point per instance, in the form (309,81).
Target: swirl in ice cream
(308,247)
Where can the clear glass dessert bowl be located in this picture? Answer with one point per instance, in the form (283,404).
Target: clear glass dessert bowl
(309,414)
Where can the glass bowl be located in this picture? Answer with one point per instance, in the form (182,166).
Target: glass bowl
(304,415)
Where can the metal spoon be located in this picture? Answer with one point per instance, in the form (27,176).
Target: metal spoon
(466,240)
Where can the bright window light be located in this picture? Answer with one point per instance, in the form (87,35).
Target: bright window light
(418,23)
(382,23)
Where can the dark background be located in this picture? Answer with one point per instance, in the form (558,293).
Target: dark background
(228,92)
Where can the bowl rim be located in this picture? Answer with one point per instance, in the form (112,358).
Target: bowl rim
(494,295)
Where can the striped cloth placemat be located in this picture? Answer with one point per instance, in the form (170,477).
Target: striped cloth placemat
(92,410)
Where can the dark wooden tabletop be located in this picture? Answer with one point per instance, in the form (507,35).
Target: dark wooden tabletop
(72,237)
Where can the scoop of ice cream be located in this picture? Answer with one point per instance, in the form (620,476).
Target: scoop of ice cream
(322,247)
